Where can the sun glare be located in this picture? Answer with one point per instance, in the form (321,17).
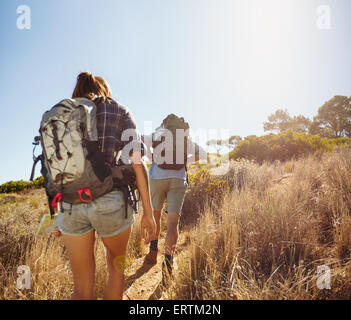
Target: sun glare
(267,34)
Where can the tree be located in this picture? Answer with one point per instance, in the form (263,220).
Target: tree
(234,141)
(230,143)
(333,119)
(281,121)
(278,121)
(300,124)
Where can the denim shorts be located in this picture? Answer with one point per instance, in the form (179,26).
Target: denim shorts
(105,215)
(171,189)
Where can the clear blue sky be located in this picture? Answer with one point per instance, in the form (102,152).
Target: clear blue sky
(219,63)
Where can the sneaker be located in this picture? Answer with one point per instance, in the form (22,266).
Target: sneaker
(151,257)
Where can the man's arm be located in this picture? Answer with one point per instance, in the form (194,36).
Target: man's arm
(197,153)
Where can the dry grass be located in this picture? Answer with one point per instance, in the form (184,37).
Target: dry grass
(51,276)
(274,226)
(258,232)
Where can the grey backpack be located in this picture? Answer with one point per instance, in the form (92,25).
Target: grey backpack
(73,166)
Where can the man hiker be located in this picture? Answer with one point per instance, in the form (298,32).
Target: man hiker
(168,181)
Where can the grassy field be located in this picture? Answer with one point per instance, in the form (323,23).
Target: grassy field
(45,255)
(257,232)
(266,230)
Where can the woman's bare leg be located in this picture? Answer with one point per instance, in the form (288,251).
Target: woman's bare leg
(116,248)
(81,255)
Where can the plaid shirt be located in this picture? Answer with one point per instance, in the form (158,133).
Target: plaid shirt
(112,120)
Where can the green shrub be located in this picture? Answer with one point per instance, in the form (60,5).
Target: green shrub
(339,141)
(18,186)
(284,146)
(205,190)
(38,183)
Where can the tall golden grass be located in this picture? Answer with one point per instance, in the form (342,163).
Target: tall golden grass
(266,233)
(51,277)
(257,232)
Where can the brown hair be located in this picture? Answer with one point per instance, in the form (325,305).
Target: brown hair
(106,86)
(91,87)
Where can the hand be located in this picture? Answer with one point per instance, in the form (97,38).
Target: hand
(148,227)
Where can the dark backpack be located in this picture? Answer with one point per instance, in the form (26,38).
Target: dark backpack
(172,123)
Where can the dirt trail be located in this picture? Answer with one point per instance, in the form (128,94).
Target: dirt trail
(143,282)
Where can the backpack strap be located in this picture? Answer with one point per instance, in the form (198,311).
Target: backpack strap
(36,160)
(56,140)
(124,180)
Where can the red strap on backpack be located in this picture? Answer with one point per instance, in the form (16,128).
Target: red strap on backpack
(87,192)
(56,200)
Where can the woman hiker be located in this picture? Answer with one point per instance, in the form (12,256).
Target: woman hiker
(106,214)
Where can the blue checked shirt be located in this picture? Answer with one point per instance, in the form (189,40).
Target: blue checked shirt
(116,129)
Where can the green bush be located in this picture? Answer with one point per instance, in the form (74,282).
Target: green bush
(18,186)
(339,141)
(205,190)
(38,183)
(284,146)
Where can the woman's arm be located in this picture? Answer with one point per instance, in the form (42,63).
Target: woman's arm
(147,140)
(148,225)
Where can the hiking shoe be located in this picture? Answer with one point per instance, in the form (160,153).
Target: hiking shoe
(151,257)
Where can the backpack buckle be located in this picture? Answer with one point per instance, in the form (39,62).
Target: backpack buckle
(56,200)
(87,192)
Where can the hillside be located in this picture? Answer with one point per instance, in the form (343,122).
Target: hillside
(257,232)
